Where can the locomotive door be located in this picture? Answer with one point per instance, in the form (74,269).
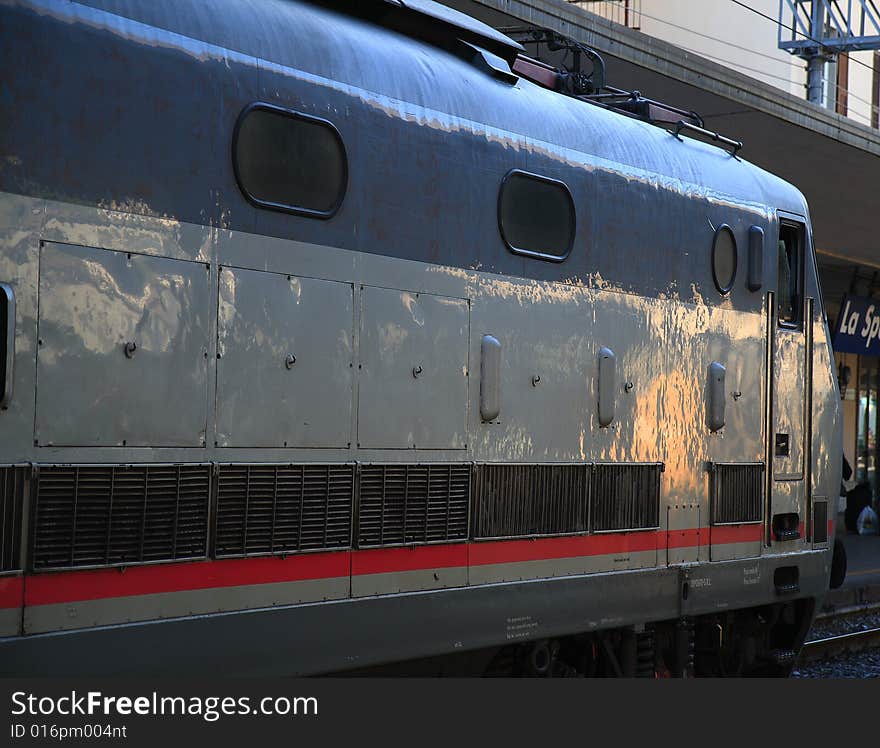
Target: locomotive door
(790,382)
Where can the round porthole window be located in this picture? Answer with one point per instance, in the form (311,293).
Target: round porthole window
(724,258)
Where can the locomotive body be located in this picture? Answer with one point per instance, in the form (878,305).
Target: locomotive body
(333,342)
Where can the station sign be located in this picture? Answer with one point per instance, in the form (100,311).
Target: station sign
(857,329)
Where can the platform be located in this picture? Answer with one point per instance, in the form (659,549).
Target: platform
(862,584)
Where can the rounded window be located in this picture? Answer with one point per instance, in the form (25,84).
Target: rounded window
(724,258)
(288,161)
(536,216)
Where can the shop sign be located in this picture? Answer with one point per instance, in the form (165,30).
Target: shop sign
(858,327)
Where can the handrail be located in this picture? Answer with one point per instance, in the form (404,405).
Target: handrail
(7,300)
(714,136)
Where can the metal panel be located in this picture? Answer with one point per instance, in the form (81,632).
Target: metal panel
(545,333)
(284,374)
(788,401)
(282,509)
(634,329)
(531,500)
(414,368)
(787,498)
(122,354)
(21,219)
(103,515)
(685,534)
(701,335)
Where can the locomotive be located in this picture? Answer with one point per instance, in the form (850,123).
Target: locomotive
(337,335)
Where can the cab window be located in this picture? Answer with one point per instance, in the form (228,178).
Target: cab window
(790,251)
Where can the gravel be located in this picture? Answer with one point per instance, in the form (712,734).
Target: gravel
(859,665)
(837,625)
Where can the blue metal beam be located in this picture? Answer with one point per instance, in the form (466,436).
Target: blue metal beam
(811,27)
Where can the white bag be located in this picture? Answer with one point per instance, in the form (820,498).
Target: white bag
(866,524)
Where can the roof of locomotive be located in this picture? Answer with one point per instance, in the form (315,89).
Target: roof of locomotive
(415,79)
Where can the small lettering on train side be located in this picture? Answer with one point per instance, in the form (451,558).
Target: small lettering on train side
(520,627)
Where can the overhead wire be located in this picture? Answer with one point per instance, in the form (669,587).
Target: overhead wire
(854,113)
(839,88)
(801,33)
(731,63)
(716,39)
(872,107)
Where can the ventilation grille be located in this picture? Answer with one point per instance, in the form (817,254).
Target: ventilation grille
(12,483)
(402,504)
(736,493)
(276,509)
(820,522)
(530,500)
(111,515)
(625,497)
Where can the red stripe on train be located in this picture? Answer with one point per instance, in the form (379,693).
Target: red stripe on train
(95,584)
(686,538)
(545,549)
(410,558)
(11,591)
(723,534)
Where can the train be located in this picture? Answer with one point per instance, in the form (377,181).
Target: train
(352,338)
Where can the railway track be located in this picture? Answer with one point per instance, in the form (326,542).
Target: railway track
(834,646)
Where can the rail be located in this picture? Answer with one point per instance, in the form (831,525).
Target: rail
(833,646)
(715,137)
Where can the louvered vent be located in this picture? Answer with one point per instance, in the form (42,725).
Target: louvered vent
(12,484)
(737,493)
(820,522)
(279,509)
(402,504)
(625,497)
(119,515)
(530,500)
